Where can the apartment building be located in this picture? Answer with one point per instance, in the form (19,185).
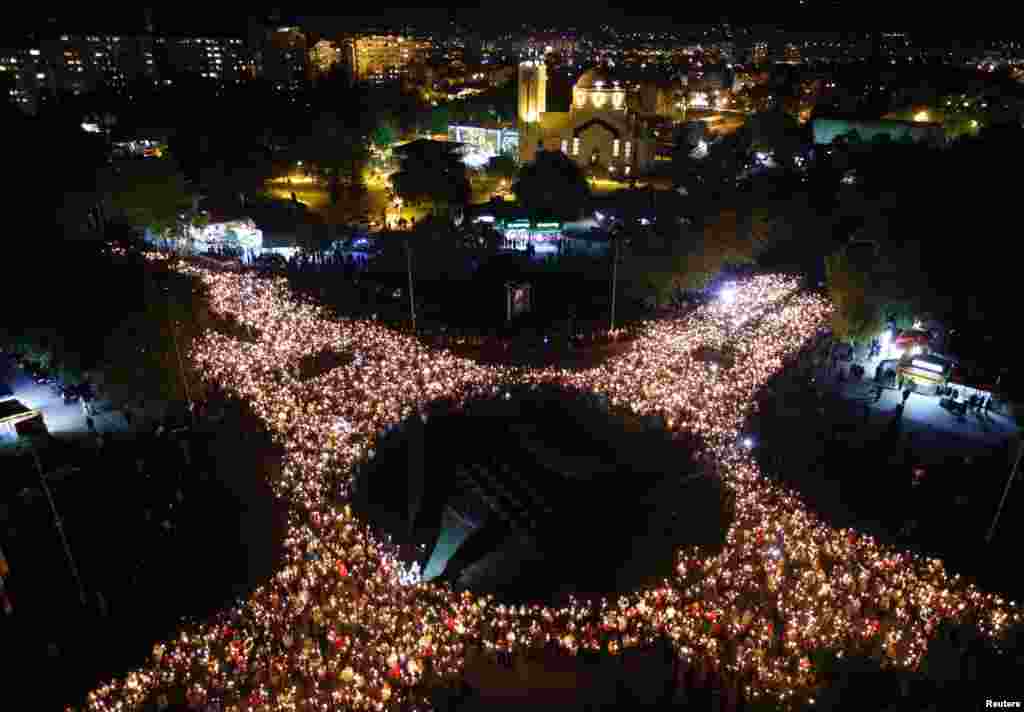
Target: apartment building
(385,58)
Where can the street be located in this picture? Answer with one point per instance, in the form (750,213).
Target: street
(158,530)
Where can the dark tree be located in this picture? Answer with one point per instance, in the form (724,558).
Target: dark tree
(336,147)
(432,172)
(553,187)
(502,166)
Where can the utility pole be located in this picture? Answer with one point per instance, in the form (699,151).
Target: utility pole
(412,297)
(615,272)
(181,365)
(60,525)
(1006,491)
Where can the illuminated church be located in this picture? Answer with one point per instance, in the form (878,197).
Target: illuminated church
(602,131)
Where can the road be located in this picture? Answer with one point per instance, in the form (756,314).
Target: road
(68,421)
(816,438)
(160,530)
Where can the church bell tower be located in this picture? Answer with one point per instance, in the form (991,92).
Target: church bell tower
(533,89)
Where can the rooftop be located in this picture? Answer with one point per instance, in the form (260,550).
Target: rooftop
(12,409)
(426,146)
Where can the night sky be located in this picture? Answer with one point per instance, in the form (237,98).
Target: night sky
(796,14)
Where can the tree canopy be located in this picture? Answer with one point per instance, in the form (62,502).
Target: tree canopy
(502,166)
(856,317)
(335,146)
(432,172)
(140,353)
(147,194)
(663,262)
(124,334)
(552,186)
(384,135)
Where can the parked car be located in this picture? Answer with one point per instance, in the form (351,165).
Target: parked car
(70,394)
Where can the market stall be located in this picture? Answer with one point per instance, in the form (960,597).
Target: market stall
(927,373)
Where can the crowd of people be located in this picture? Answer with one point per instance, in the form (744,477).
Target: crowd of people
(342,625)
(349,263)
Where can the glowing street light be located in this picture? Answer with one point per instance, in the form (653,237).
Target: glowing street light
(885,341)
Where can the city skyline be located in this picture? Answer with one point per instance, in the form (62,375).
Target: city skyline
(799,15)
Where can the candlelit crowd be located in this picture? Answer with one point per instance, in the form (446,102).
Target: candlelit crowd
(343,625)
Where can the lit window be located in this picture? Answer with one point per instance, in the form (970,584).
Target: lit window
(615,148)
(565,145)
(629,149)
(575,147)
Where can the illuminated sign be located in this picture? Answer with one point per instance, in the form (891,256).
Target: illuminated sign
(530,236)
(927,365)
(241,233)
(484,143)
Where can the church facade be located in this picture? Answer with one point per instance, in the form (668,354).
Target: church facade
(602,132)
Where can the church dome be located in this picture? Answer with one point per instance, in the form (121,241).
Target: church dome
(592,79)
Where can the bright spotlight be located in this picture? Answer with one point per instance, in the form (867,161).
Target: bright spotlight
(748,443)
(729,294)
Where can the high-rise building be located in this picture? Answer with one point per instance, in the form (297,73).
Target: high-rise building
(759,53)
(217,58)
(385,58)
(82,63)
(25,75)
(324,56)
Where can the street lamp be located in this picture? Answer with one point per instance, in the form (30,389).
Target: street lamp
(1006,491)
(60,525)
(615,235)
(181,366)
(729,295)
(412,298)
